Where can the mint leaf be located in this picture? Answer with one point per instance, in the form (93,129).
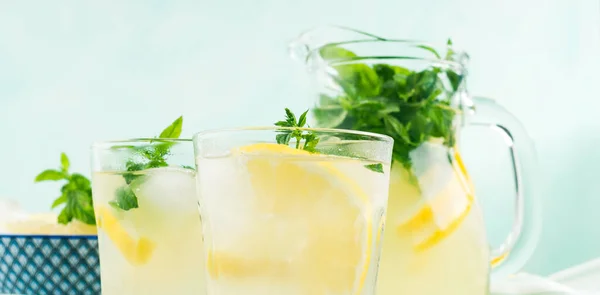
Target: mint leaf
(332,52)
(375,167)
(125,199)
(329,112)
(290,118)
(64,162)
(76,194)
(81,182)
(80,206)
(65,217)
(50,174)
(173,130)
(77,197)
(310,142)
(455,79)
(60,200)
(132,166)
(284,138)
(357,80)
(282,124)
(302,119)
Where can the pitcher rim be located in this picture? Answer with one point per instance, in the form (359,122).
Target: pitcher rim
(371,38)
(458,66)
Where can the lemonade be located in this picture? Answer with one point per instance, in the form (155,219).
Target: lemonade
(157,247)
(416,93)
(434,241)
(280,220)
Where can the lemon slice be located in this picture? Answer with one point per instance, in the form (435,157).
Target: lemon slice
(136,251)
(322,219)
(443,208)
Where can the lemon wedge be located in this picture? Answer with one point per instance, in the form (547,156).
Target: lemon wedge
(315,209)
(136,251)
(440,214)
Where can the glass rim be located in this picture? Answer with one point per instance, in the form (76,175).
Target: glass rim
(147,140)
(377,136)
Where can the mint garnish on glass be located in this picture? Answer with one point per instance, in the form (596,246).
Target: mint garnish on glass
(151,157)
(310,138)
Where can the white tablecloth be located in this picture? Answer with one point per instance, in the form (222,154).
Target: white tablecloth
(583,279)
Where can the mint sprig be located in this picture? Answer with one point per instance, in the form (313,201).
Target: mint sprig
(410,106)
(76,194)
(285,136)
(310,138)
(150,157)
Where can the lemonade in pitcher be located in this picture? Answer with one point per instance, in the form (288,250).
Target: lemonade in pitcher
(435,240)
(297,219)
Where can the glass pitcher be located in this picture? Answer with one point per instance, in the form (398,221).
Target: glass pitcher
(434,240)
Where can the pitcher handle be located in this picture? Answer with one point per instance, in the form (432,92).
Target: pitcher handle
(511,256)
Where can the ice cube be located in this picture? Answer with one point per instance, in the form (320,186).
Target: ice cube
(226,198)
(169,189)
(432,168)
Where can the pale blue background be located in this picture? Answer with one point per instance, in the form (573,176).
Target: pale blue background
(72,72)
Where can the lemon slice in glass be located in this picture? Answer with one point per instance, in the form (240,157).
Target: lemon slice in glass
(315,210)
(136,251)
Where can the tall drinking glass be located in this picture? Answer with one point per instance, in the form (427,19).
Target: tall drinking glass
(294,217)
(149,229)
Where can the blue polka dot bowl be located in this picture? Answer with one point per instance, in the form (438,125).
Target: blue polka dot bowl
(49,264)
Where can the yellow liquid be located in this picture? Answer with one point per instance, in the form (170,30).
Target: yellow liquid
(434,238)
(156,248)
(282,221)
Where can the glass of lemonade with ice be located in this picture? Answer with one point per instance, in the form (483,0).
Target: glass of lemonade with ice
(149,229)
(292,211)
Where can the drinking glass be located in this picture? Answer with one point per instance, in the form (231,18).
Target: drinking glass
(292,211)
(149,229)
